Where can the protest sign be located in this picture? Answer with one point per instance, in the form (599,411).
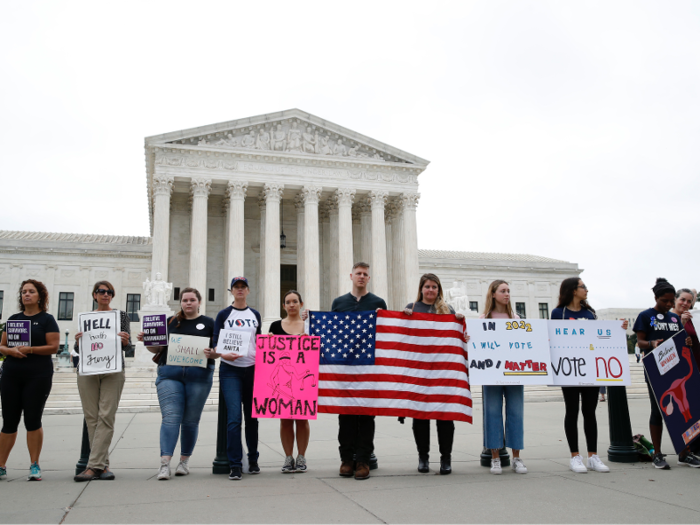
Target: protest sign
(100,346)
(233,342)
(589,353)
(675,380)
(286,376)
(19,333)
(155,330)
(187,350)
(509,352)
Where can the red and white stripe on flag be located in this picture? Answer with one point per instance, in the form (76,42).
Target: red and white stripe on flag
(420,371)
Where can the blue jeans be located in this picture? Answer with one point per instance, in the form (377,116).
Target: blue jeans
(493,416)
(236,385)
(182,393)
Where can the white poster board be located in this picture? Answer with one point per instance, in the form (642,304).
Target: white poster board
(233,342)
(509,352)
(589,353)
(187,350)
(100,346)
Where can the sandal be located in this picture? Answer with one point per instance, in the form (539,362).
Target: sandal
(107,475)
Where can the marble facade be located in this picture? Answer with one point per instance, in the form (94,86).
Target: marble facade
(221,195)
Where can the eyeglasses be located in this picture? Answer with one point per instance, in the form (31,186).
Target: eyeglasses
(102,291)
(583,286)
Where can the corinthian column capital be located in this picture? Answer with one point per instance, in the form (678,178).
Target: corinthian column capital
(162,185)
(200,187)
(344,196)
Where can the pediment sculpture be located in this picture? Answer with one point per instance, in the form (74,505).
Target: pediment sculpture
(290,136)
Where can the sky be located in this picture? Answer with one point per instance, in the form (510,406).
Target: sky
(563,129)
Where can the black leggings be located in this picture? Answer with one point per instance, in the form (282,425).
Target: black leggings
(445,431)
(589,402)
(655,418)
(23,393)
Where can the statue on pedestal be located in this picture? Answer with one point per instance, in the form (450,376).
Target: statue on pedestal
(458,299)
(157,292)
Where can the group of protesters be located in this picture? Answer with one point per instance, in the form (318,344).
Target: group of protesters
(26,378)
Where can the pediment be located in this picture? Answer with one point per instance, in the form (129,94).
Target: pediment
(292,132)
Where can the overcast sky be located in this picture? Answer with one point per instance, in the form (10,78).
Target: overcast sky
(563,129)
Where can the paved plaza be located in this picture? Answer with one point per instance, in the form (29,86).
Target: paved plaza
(396,492)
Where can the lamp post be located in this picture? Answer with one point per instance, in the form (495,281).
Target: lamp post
(621,448)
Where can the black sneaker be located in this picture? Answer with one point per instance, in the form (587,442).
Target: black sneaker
(689,460)
(235,474)
(660,462)
(253,468)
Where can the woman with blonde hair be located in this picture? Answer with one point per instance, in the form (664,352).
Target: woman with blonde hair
(430,300)
(498,307)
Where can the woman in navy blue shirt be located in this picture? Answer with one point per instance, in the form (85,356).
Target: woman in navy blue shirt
(573,305)
(654,326)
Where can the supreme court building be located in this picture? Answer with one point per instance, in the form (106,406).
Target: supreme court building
(288,200)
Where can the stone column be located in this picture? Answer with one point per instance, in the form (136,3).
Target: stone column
(200,189)
(409,203)
(261,267)
(388,217)
(397,240)
(272,192)
(49,283)
(311,270)
(120,297)
(162,188)
(366,235)
(83,303)
(301,264)
(356,233)
(378,269)
(344,198)
(325,253)
(236,193)
(332,207)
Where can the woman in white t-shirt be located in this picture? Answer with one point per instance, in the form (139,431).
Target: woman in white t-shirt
(498,307)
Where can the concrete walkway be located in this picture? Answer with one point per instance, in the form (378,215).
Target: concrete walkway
(396,492)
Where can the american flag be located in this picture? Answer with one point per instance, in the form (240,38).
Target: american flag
(391,364)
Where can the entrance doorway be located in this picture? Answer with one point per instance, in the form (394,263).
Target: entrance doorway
(288,281)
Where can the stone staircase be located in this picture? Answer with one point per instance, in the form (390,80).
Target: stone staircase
(140,395)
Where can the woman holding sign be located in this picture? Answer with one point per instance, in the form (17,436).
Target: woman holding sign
(236,375)
(653,327)
(100,394)
(292,325)
(27,373)
(498,307)
(573,304)
(183,389)
(430,300)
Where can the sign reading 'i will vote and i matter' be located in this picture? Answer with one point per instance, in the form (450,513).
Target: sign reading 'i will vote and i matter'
(509,352)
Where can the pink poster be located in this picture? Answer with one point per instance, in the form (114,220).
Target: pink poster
(286,376)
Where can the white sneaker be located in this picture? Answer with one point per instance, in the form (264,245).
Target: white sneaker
(595,463)
(164,472)
(518,466)
(183,468)
(496,466)
(576,464)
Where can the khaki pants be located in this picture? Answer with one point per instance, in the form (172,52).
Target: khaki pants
(100,395)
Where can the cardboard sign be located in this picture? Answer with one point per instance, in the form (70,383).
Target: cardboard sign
(233,342)
(19,333)
(100,346)
(675,380)
(286,376)
(155,330)
(509,352)
(187,350)
(589,353)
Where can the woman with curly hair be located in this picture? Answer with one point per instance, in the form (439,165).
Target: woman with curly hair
(27,376)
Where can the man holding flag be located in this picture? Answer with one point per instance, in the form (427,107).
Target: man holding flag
(356,432)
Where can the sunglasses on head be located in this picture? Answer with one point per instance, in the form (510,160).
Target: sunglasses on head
(102,291)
